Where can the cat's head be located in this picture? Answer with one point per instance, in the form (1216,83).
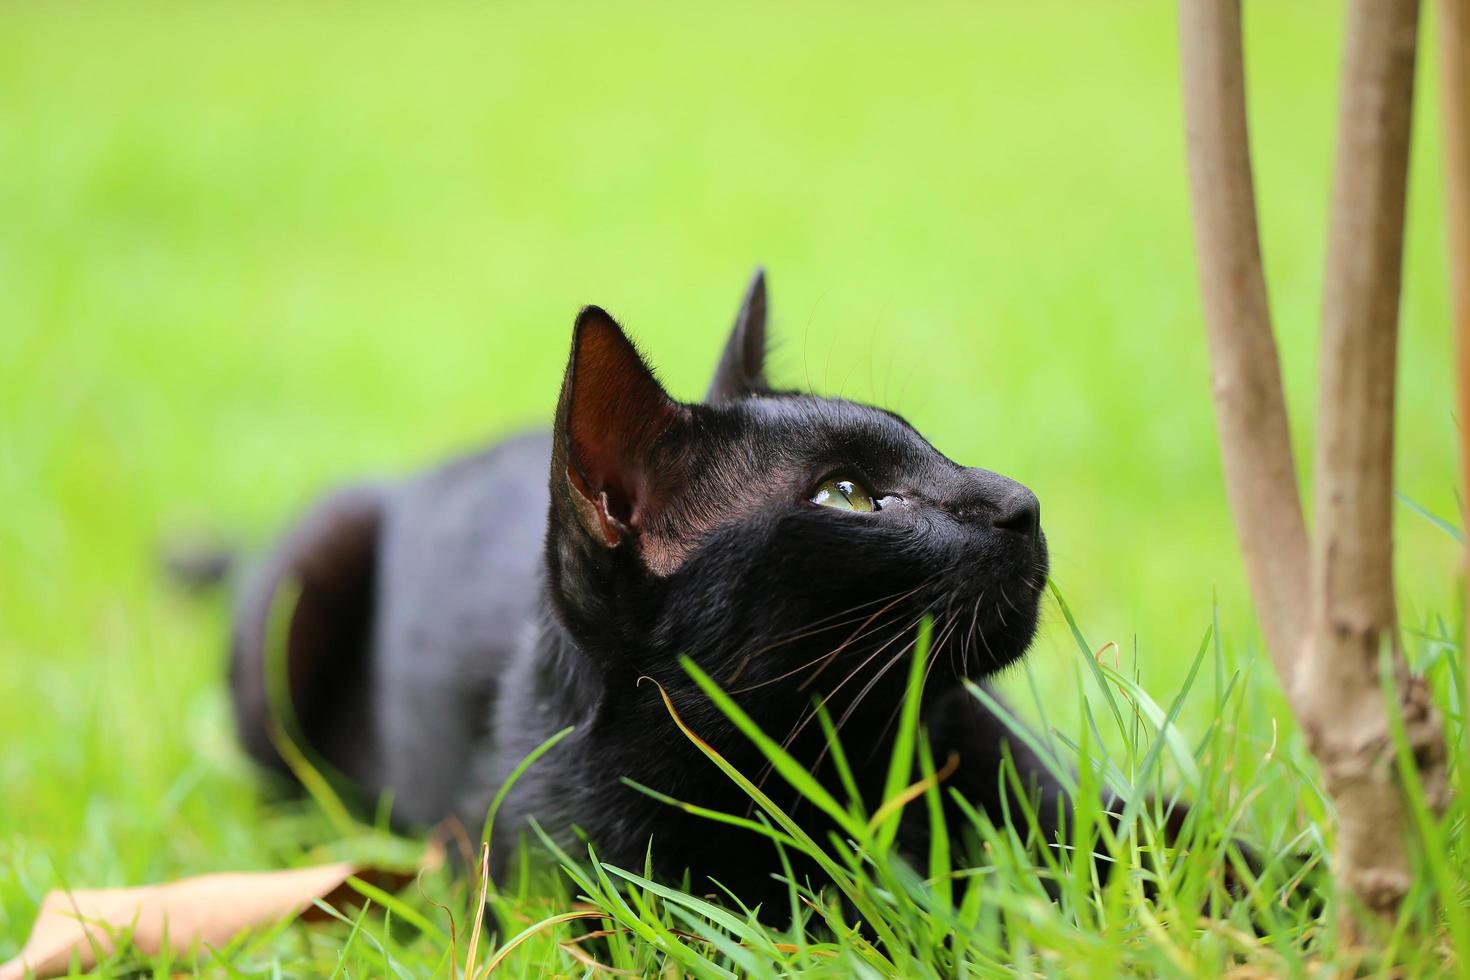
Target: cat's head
(790,544)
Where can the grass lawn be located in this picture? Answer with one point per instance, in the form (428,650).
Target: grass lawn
(247,253)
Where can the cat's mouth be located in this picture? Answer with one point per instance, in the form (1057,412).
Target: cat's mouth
(987,617)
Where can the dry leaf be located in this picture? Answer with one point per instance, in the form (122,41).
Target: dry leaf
(211,909)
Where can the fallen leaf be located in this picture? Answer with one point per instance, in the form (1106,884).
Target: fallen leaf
(211,909)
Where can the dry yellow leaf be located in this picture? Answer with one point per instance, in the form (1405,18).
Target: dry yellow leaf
(211,909)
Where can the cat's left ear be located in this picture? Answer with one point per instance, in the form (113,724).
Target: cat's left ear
(611,414)
(741,371)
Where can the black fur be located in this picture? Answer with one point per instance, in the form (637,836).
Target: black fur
(450,623)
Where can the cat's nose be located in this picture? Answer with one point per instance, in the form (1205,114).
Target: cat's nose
(1020,512)
(1002,502)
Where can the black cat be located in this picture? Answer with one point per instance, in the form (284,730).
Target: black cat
(789,544)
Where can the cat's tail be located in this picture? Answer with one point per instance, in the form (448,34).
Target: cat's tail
(302,614)
(301,642)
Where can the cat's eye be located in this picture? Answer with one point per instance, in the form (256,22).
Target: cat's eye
(844,494)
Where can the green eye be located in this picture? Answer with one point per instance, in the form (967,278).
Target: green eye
(844,495)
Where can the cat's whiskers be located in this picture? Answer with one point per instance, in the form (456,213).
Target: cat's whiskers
(984,642)
(933,658)
(872,682)
(748,658)
(828,658)
(1011,602)
(906,629)
(832,655)
(800,630)
(892,600)
(974,628)
(946,632)
(811,713)
(910,628)
(949,617)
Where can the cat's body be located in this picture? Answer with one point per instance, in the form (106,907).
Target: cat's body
(790,545)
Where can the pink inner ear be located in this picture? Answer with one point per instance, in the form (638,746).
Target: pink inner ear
(617,412)
(593,513)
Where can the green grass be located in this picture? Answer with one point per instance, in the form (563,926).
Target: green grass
(249,253)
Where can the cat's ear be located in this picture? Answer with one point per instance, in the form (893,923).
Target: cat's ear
(741,371)
(611,412)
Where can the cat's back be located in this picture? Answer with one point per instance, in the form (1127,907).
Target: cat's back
(459,577)
(463,540)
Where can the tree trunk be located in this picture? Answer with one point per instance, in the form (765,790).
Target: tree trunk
(1337,692)
(1328,620)
(1245,375)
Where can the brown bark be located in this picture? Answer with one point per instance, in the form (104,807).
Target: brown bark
(1326,620)
(1250,411)
(1337,692)
(1454,64)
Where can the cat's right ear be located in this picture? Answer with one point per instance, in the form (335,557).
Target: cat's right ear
(611,413)
(741,371)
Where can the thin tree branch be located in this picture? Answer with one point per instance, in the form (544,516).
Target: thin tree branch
(1250,411)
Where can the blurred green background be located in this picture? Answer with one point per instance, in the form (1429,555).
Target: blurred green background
(249,252)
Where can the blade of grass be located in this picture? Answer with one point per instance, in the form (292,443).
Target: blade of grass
(788,767)
(394,904)
(1432,840)
(840,763)
(800,839)
(940,881)
(515,776)
(901,759)
(1087,655)
(1155,749)
(511,944)
(754,826)
(1023,734)
(1455,533)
